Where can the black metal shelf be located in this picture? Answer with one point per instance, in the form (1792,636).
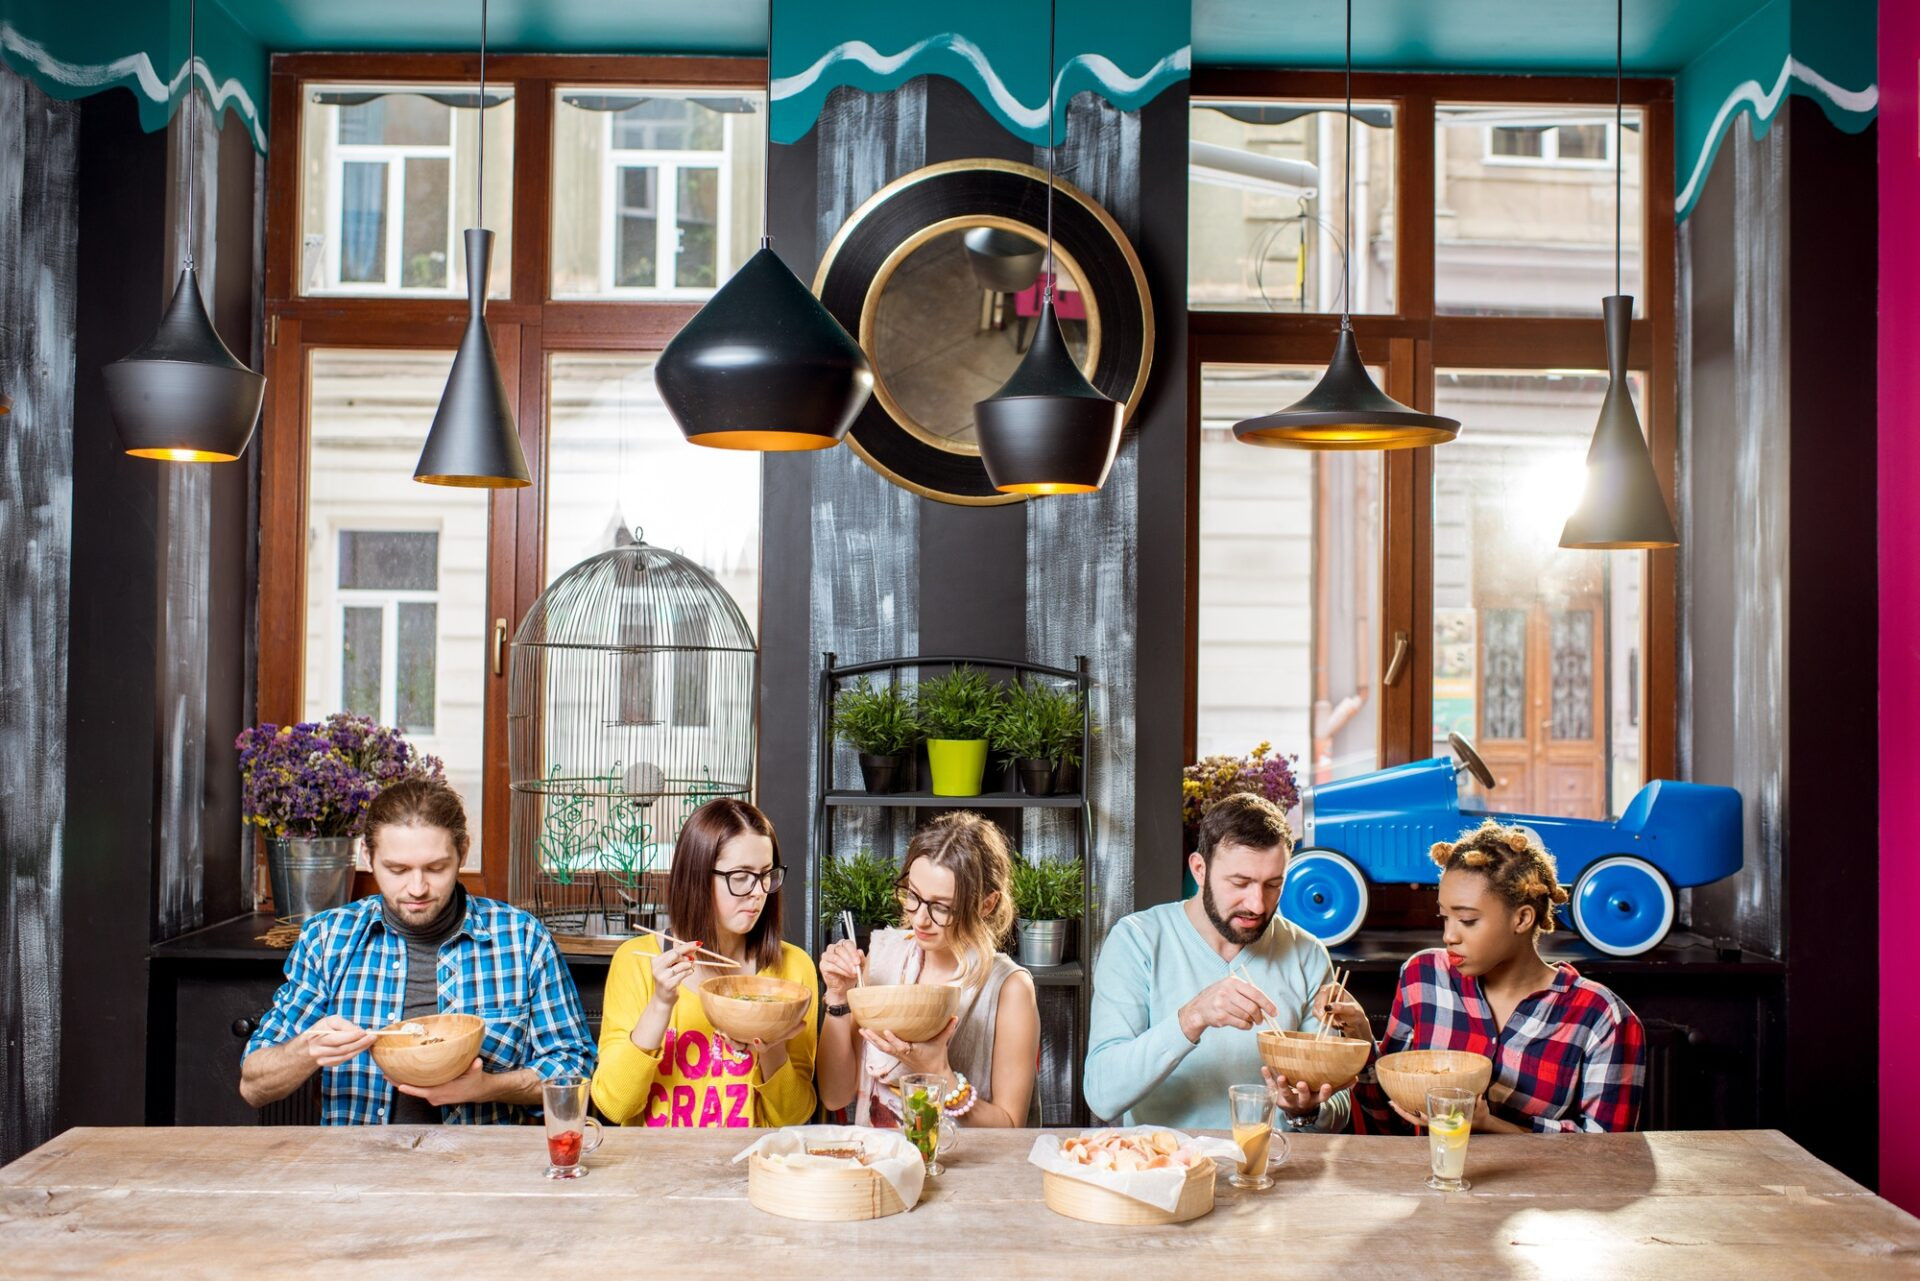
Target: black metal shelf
(927,800)
(1069,975)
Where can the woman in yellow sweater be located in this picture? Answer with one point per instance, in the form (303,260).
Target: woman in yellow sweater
(661,1062)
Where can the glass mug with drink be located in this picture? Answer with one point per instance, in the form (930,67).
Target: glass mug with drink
(1253,1116)
(564,1099)
(922,1121)
(1449,1122)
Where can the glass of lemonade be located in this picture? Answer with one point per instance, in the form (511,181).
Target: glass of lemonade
(1253,1131)
(1449,1122)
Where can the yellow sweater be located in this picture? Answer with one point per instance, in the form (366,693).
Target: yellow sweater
(690,1080)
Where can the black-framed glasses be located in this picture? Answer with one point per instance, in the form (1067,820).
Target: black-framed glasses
(911,903)
(741,882)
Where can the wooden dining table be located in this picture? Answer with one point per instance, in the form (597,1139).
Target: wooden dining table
(468,1203)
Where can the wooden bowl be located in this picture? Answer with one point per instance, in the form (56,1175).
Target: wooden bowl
(1408,1075)
(1078,1199)
(911,1011)
(450,1044)
(1299,1057)
(748,1007)
(819,1195)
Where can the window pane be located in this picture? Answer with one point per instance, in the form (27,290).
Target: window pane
(1289,585)
(363,222)
(696,215)
(389,169)
(416,660)
(1536,648)
(1266,206)
(625,159)
(423,253)
(360,661)
(375,561)
(1524,209)
(615,460)
(639,228)
(369,417)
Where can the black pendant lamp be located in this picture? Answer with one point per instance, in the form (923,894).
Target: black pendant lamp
(473,443)
(763,365)
(181,395)
(1345,409)
(1621,508)
(1048,430)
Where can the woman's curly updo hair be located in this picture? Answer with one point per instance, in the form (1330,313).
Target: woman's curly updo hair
(1515,864)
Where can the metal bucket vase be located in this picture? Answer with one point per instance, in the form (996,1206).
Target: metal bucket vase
(309,874)
(1043,942)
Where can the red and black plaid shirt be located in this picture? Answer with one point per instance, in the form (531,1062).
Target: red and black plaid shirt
(1572,1056)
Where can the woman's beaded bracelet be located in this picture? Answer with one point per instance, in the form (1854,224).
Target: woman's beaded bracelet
(961,1101)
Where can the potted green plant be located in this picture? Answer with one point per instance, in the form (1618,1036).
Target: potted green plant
(1063,720)
(1046,898)
(879,724)
(861,884)
(1020,733)
(956,712)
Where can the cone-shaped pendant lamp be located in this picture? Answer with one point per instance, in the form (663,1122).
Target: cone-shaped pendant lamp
(1622,507)
(181,395)
(1346,409)
(764,365)
(1047,430)
(473,443)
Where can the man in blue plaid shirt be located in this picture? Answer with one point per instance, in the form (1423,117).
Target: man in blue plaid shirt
(419,946)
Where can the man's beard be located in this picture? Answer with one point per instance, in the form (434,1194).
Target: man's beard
(1228,931)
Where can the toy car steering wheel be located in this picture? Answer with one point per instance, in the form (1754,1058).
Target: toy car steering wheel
(1471,759)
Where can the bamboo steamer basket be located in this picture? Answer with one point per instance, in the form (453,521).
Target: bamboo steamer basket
(1298,1056)
(744,1021)
(1408,1075)
(819,1195)
(1078,1199)
(407,1062)
(911,1011)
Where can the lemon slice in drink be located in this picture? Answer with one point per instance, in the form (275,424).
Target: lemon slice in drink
(1452,1129)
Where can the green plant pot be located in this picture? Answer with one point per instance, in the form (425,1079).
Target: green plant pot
(958,764)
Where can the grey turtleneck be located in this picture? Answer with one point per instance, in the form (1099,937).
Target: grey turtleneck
(422,995)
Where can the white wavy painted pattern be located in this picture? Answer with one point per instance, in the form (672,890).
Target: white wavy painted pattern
(1116,83)
(1764,104)
(135,69)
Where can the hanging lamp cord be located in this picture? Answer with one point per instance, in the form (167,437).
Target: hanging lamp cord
(193,151)
(1053,25)
(1619,139)
(766,158)
(1346,247)
(480,170)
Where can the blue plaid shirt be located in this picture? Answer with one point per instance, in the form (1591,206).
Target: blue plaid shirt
(501,964)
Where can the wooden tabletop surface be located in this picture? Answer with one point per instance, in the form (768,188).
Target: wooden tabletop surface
(258,1202)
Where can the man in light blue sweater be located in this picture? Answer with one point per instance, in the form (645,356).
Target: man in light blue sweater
(1171,1028)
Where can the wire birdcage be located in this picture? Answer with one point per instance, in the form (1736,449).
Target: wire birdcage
(629,705)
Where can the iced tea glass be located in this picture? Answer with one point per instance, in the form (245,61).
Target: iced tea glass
(564,1099)
(922,1121)
(1449,1122)
(1252,1107)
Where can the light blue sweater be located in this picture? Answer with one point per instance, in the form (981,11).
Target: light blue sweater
(1141,1068)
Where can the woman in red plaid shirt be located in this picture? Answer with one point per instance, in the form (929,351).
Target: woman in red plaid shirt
(1567,1053)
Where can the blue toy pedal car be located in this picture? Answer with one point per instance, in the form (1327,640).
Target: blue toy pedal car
(1378,827)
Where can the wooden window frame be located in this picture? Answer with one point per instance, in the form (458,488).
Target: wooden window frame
(1414,341)
(527,326)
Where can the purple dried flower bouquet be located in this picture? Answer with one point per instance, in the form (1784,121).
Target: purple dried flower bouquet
(1214,777)
(317,778)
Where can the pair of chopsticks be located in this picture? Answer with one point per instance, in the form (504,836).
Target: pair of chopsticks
(1240,972)
(847,932)
(717,958)
(1339,993)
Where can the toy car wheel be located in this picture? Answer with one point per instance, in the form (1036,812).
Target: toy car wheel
(1325,895)
(1622,905)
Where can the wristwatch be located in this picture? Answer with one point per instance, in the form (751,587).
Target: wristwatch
(838,1011)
